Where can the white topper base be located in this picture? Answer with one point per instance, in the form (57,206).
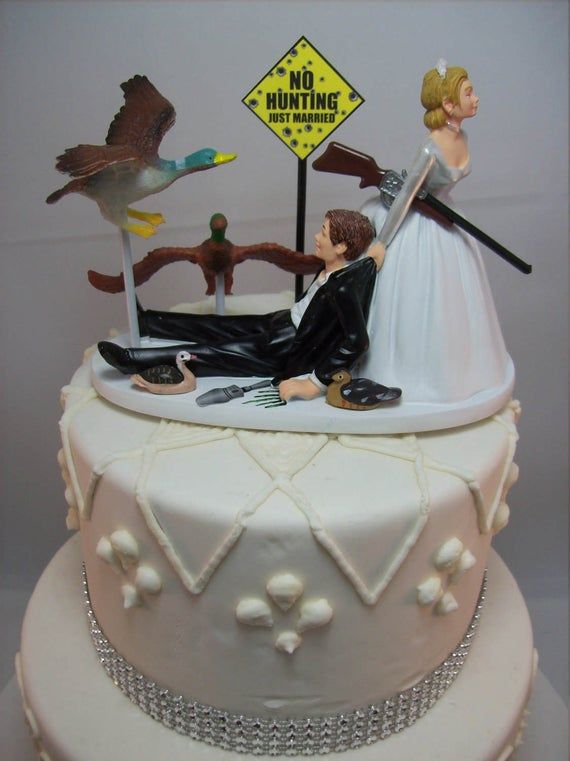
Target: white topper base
(79,715)
(315,416)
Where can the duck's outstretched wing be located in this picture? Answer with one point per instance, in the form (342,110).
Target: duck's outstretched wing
(85,160)
(74,186)
(144,119)
(282,257)
(145,269)
(285,258)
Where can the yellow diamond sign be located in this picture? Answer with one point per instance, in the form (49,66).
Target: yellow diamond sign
(302,98)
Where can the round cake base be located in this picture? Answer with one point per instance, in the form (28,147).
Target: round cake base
(76,712)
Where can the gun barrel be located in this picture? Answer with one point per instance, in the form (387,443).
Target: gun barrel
(481,236)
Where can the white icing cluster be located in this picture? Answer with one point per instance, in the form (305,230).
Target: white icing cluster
(285,589)
(254,612)
(121,552)
(452,560)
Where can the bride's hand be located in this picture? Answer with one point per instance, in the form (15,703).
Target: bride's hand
(377,251)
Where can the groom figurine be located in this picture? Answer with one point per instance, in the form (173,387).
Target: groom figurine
(323,332)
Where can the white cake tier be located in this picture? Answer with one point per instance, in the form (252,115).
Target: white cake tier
(282,574)
(76,712)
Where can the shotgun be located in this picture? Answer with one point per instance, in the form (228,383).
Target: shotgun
(340,159)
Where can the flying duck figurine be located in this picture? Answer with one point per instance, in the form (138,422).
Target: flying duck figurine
(360,393)
(216,255)
(128,168)
(164,379)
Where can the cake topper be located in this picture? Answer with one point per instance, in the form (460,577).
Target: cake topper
(128,168)
(324,332)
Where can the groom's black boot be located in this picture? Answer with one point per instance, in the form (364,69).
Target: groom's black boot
(130,361)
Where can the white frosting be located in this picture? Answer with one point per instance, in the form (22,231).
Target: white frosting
(284,589)
(105,551)
(501,518)
(314,613)
(72,519)
(512,478)
(502,513)
(508,470)
(130,596)
(148,580)
(84,396)
(288,642)
(515,406)
(125,546)
(29,714)
(448,554)
(446,604)
(429,591)
(466,561)
(507,754)
(89,352)
(254,612)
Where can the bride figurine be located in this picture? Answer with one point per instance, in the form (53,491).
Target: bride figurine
(432,324)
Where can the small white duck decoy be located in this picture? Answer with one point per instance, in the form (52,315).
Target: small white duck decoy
(165,375)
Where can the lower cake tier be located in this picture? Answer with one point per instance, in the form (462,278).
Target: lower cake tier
(282,575)
(76,712)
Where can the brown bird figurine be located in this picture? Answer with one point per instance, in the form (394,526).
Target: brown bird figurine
(360,393)
(216,255)
(128,167)
(165,384)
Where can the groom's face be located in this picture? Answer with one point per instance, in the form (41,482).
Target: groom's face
(325,249)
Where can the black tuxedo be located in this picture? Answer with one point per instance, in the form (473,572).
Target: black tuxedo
(331,335)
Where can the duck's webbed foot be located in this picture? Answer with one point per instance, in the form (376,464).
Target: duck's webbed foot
(144,231)
(152,218)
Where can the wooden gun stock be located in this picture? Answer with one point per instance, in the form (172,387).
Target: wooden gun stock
(340,159)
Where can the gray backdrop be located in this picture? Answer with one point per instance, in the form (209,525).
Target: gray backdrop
(61,65)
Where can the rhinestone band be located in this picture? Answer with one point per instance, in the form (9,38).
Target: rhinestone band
(290,737)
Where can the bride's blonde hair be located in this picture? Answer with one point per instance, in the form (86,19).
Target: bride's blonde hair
(435,89)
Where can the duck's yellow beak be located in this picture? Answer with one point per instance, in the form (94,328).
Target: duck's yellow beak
(223,158)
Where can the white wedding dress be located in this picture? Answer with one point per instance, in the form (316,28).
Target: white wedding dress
(433,327)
